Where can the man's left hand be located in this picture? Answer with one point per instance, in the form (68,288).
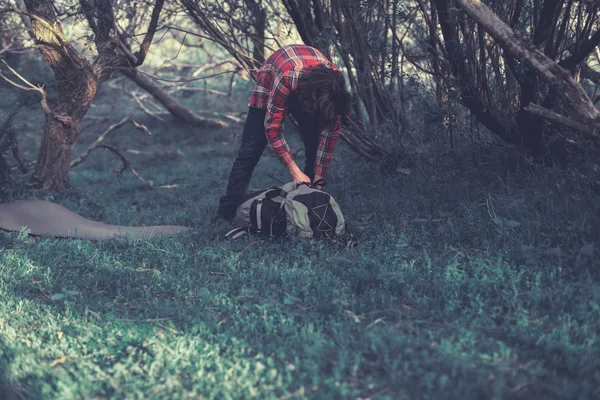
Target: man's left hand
(317,179)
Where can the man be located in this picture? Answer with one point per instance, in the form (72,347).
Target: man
(296,79)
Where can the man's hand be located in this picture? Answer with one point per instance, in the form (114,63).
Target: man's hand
(317,179)
(297,175)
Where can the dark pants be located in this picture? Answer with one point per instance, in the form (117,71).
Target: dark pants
(254,141)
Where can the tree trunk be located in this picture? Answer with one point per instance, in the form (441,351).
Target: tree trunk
(467,86)
(77,83)
(169,102)
(54,159)
(260,25)
(573,95)
(532,128)
(591,74)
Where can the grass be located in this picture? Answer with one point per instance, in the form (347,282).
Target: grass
(479,281)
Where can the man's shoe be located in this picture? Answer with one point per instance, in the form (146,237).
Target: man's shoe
(220,220)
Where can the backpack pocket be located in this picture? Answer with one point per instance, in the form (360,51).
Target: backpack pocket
(268,216)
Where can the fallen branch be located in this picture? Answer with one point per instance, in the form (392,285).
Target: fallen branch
(216,92)
(590,130)
(125,161)
(175,89)
(230,117)
(145,109)
(171,104)
(103,136)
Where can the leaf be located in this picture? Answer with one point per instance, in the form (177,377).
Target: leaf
(57,296)
(555,251)
(587,250)
(59,360)
(289,300)
(71,292)
(352,316)
(341,260)
(60,335)
(508,223)
(511,224)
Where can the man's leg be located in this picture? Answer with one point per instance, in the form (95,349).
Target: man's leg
(254,142)
(311,143)
(310,136)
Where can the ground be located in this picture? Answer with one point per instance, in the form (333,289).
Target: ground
(475,276)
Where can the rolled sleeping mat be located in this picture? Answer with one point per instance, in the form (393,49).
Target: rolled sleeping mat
(49,219)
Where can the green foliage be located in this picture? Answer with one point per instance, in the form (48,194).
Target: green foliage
(474,280)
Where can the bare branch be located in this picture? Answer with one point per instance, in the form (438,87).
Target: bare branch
(145,46)
(591,74)
(16,50)
(584,51)
(200,78)
(29,87)
(589,130)
(146,110)
(98,143)
(124,160)
(103,136)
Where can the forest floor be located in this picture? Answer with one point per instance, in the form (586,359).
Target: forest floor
(477,279)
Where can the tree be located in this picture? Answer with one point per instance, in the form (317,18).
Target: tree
(129,61)
(513,54)
(78,80)
(561,83)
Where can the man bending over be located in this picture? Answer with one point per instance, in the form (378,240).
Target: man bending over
(296,79)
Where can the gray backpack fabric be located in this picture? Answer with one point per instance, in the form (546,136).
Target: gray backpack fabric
(294,209)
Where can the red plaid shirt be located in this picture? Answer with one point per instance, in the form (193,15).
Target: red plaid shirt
(277,78)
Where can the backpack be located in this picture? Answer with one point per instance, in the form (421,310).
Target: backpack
(295,209)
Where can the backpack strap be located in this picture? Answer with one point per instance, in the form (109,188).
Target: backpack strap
(320,182)
(237,233)
(276,191)
(313,185)
(259,204)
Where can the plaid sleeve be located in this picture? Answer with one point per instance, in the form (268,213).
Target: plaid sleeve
(283,85)
(329,139)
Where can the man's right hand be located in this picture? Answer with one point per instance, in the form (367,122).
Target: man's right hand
(297,175)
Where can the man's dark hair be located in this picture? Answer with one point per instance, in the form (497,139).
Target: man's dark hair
(322,92)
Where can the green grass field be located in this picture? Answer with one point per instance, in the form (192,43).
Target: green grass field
(477,282)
